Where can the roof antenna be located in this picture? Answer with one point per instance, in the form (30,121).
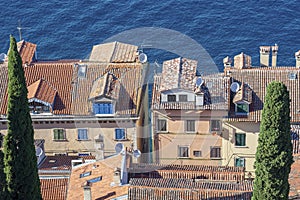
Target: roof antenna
(19,27)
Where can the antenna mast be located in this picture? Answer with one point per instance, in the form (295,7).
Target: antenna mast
(19,27)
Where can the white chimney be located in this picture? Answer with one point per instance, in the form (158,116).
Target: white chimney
(274,55)
(87,193)
(297,57)
(124,172)
(264,56)
(227,62)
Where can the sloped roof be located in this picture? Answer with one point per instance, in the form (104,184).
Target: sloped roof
(42,90)
(57,74)
(168,188)
(216,85)
(26,51)
(257,78)
(101,189)
(114,52)
(178,73)
(244,94)
(54,188)
(125,91)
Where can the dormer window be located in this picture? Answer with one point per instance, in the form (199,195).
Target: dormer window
(38,108)
(82,71)
(103,108)
(242,108)
(292,76)
(171,98)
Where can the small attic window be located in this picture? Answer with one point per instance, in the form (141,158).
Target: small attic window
(82,71)
(94,180)
(52,161)
(292,76)
(85,174)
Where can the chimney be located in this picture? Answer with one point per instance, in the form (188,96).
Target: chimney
(124,172)
(297,57)
(227,62)
(264,56)
(274,55)
(242,61)
(117,177)
(87,193)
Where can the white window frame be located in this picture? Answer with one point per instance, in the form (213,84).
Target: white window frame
(158,125)
(64,134)
(187,126)
(241,113)
(240,158)
(178,151)
(125,134)
(85,132)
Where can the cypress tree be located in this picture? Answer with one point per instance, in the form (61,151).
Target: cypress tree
(274,157)
(20,162)
(2,177)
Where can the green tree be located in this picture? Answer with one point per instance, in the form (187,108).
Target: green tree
(2,176)
(20,163)
(274,157)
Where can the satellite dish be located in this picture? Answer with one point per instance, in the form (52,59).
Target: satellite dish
(119,147)
(199,82)
(3,57)
(234,87)
(38,151)
(136,153)
(143,58)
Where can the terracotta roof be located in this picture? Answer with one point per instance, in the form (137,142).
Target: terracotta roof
(114,52)
(178,73)
(53,163)
(3,87)
(294,178)
(123,88)
(243,95)
(215,87)
(26,51)
(58,75)
(54,188)
(227,173)
(42,90)
(103,189)
(257,79)
(156,188)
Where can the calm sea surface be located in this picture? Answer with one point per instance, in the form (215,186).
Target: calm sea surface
(69,29)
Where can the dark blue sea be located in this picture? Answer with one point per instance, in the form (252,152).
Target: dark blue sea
(64,30)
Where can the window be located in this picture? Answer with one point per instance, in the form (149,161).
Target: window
(82,134)
(242,108)
(183,151)
(215,152)
(85,174)
(215,125)
(120,134)
(239,162)
(197,153)
(82,71)
(162,125)
(183,98)
(240,139)
(292,76)
(94,180)
(103,108)
(171,98)
(190,125)
(59,134)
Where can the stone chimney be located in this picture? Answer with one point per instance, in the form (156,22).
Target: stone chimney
(264,56)
(242,61)
(297,57)
(274,55)
(117,176)
(87,193)
(227,62)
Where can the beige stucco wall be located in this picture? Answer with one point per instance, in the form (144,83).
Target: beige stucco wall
(230,151)
(73,146)
(166,143)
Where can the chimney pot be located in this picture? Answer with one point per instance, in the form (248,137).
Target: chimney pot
(87,193)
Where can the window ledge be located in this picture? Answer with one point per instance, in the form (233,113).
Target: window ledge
(187,158)
(83,140)
(216,158)
(121,140)
(242,147)
(62,140)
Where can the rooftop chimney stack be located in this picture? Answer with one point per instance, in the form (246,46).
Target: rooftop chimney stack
(264,56)
(242,61)
(274,55)
(87,193)
(297,57)
(227,62)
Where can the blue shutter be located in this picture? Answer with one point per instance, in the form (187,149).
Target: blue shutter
(110,108)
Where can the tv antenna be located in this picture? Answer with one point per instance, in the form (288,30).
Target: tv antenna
(19,27)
